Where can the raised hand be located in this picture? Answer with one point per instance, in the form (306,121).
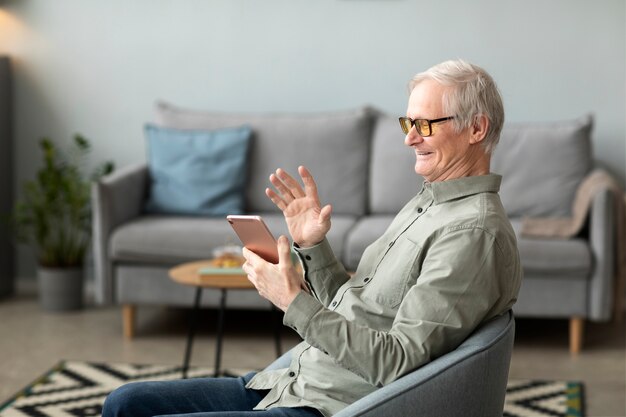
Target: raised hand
(307,221)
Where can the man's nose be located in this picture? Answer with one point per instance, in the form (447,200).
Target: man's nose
(413,138)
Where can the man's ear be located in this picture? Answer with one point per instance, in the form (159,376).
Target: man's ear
(479,129)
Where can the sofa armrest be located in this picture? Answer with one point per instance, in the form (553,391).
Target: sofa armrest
(602,228)
(116,199)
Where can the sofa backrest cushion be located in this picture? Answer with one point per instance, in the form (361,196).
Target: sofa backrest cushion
(542,165)
(197,172)
(393,181)
(334,146)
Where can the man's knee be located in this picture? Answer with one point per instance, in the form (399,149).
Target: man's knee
(126,400)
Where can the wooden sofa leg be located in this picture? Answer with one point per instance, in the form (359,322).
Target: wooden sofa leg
(129,312)
(576,327)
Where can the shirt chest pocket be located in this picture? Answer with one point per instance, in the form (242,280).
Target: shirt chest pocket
(393,274)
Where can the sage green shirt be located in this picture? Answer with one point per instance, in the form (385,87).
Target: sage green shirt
(447,262)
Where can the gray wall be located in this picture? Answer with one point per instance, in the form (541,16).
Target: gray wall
(96,67)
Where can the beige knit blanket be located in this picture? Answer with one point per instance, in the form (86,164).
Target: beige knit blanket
(595,182)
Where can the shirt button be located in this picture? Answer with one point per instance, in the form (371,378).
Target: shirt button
(419,210)
(366,279)
(308,258)
(334,303)
(292,374)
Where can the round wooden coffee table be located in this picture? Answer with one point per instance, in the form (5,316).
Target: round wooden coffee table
(201,274)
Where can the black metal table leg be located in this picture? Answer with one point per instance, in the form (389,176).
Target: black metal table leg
(192,330)
(220,332)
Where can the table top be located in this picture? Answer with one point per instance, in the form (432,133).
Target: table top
(188,274)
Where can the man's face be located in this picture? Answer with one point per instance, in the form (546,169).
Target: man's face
(444,154)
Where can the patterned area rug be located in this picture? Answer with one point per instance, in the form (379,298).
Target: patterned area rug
(78,389)
(543,398)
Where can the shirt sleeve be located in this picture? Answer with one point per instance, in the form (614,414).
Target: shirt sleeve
(456,287)
(323,273)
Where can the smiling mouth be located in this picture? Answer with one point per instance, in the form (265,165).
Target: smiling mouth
(422,153)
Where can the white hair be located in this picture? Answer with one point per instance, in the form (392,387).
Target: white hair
(473,93)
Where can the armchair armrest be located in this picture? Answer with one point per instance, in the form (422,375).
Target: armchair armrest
(602,239)
(115,199)
(474,374)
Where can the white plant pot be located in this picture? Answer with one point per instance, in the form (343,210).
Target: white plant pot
(60,289)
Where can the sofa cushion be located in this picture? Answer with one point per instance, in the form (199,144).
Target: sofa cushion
(560,258)
(542,165)
(197,172)
(552,297)
(334,146)
(393,180)
(169,240)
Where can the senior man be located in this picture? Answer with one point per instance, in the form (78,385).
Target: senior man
(447,262)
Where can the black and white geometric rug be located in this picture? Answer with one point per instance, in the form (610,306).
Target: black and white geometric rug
(543,398)
(78,389)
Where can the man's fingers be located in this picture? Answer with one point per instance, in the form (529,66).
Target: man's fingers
(325,213)
(285,193)
(289,189)
(290,182)
(310,187)
(284,251)
(279,202)
(251,258)
(251,265)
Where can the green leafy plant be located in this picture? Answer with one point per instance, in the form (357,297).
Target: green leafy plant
(54,213)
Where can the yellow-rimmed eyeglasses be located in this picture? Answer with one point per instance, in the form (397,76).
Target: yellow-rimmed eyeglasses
(424,126)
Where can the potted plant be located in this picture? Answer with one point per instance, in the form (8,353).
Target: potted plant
(54,215)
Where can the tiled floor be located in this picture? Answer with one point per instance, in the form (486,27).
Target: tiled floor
(32,341)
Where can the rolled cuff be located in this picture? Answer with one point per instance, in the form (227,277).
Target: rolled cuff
(299,313)
(317,257)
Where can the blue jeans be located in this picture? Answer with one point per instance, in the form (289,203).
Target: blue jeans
(197,397)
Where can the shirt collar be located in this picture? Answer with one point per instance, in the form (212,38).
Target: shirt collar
(443,191)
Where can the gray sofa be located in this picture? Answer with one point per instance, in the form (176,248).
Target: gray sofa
(366,172)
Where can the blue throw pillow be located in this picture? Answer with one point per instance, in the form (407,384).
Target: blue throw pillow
(197,172)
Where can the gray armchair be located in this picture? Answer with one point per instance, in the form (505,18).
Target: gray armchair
(469,381)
